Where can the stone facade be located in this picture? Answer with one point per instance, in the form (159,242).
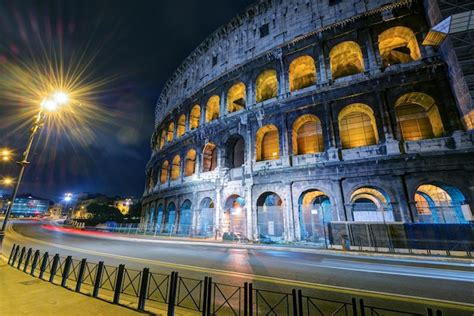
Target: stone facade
(316,139)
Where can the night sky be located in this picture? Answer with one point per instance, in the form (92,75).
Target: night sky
(135,46)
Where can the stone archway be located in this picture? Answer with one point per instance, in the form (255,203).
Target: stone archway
(234,220)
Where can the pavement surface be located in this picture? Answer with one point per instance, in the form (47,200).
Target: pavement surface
(22,294)
(413,282)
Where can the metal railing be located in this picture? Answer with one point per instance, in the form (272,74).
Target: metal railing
(202,296)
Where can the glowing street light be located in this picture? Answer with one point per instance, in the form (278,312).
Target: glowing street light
(67,197)
(49,104)
(7,181)
(6,154)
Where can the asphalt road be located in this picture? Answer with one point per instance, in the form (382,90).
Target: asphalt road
(269,269)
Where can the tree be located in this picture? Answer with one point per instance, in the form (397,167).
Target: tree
(102,213)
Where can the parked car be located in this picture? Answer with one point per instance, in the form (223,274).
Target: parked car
(264,239)
(234,237)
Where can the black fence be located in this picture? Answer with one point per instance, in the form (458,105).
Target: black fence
(171,291)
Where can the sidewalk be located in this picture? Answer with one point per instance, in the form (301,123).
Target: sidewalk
(22,294)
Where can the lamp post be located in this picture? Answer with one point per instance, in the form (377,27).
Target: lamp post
(50,104)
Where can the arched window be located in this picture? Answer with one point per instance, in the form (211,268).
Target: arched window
(357,126)
(418,116)
(302,73)
(164,172)
(170,132)
(235,151)
(181,126)
(267,85)
(185,218)
(236,97)
(212,108)
(270,216)
(346,59)
(209,157)
(371,204)
(398,45)
(176,167)
(204,218)
(268,143)
(170,218)
(315,210)
(194,117)
(190,163)
(307,135)
(235,215)
(162,138)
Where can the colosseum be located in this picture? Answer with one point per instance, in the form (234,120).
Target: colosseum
(299,118)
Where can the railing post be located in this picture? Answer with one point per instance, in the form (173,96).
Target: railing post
(300,302)
(20,260)
(43,264)
(35,262)
(11,254)
(172,293)
(209,295)
(250,299)
(204,298)
(15,255)
(80,274)
(98,278)
(294,300)
(118,283)
(67,267)
(246,298)
(27,260)
(354,307)
(143,289)
(362,307)
(54,268)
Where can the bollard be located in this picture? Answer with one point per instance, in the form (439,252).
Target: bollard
(67,268)
(20,259)
(118,283)
(27,260)
(80,274)
(354,307)
(15,255)
(11,254)
(204,298)
(35,262)
(43,264)
(54,268)
(295,304)
(143,289)
(98,279)
(250,299)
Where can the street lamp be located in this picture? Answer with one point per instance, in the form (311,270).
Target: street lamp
(6,154)
(67,199)
(48,105)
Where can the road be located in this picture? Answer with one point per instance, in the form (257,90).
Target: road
(271,269)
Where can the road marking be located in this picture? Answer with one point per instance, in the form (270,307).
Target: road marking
(281,281)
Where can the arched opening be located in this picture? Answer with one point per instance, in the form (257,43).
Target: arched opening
(302,73)
(170,219)
(270,217)
(357,126)
(235,151)
(204,218)
(181,125)
(162,138)
(170,133)
(159,218)
(370,204)
(236,97)
(190,163)
(315,211)
(185,219)
(398,45)
(212,108)
(194,117)
(164,172)
(268,143)
(346,59)
(418,116)
(437,203)
(209,157)
(234,225)
(151,217)
(176,167)
(267,85)
(307,136)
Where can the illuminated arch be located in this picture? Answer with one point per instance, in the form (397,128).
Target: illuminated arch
(181,126)
(314,210)
(236,97)
(270,215)
(190,163)
(164,172)
(302,73)
(307,136)
(371,204)
(398,45)
(170,133)
(357,126)
(162,138)
(209,157)
(194,117)
(418,116)
(267,85)
(346,59)
(212,108)
(176,167)
(267,143)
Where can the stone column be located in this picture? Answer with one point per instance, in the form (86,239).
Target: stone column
(330,133)
(288,223)
(392,145)
(250,212)
(222,104)
(340,203)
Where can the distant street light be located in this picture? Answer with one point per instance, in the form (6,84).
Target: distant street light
(49,104)
(6,154)
(7,181)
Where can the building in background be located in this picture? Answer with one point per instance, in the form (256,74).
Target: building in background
(123,204)
(29,205)
(56,210)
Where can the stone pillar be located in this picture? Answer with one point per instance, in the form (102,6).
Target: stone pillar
(283,131)
(250,93)
(250,212)
(402,212)
(340,203)
(219,208)
(288,223)
(321,65)
(197,167)
(329,132)
(392,145)
(186,122)
(296,216)
(371,52)
(222,104)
